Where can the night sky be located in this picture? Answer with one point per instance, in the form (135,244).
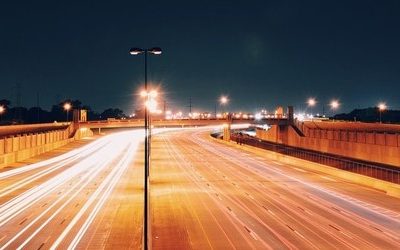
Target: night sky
(261,54)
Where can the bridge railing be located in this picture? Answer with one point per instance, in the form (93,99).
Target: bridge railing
(378,171)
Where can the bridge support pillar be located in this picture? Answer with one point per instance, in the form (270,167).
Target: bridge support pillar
(290,115)
(227,132)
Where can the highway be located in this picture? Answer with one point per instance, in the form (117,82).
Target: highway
(204,195)
(90,197)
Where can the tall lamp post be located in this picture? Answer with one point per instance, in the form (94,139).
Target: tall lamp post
(311,102)
(382,107)
(223,100)
(334,104)
(134,52)
(67,107)
(2,110)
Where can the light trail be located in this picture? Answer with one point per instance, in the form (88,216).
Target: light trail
(95,158)
(210,194)
(85,180)
(259,193)
(104,190)
(81,152)
(252,164)
(15,206)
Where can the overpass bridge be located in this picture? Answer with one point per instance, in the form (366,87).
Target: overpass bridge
(137,123)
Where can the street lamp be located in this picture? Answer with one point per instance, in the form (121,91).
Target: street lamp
(382,107)
(147,136)
(2,110)
(223,100)
(311,102)
(334,104)
(67,107)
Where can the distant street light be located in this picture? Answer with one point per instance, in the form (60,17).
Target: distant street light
(147,139)
(67,107)
(2,110)
(150,103)
(311,102)
(382,107)
(334,104)
(223,100)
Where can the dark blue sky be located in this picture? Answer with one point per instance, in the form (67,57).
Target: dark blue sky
(261,54)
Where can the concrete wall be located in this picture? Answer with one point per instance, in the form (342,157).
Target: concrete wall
(368,146)
(21,147)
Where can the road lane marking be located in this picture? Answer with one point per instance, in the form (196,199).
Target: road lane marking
(301,170)
(327,178)
(332,226)
(40,246)
(23,221)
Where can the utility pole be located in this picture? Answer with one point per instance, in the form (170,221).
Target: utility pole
(37,106)
(17,115)
(190,105)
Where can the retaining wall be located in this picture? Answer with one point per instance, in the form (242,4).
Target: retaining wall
(368,146)
(21,147)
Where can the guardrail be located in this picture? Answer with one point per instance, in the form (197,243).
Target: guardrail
(377,171)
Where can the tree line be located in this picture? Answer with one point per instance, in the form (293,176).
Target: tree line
(372,114)
(23,115)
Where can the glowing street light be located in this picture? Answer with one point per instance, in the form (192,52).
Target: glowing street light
(150,102)
(67,107)
(311,102)
(223,100)
(147,139)
(382,107)
(334,104)
(2,110)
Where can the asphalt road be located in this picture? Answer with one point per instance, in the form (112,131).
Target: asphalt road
(204,195)
(90,197)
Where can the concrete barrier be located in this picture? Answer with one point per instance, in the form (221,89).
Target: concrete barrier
(21,147)
(387,187)
(2,146)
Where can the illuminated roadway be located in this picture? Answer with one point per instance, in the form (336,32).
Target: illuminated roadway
(89,197)
(204,195)
(207,195)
